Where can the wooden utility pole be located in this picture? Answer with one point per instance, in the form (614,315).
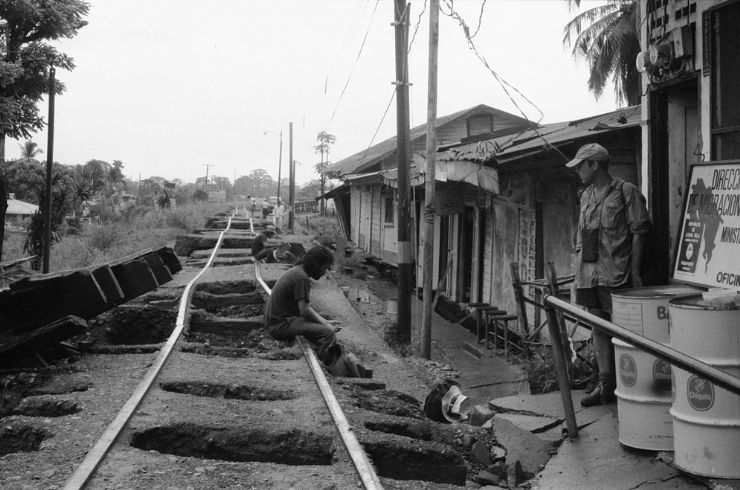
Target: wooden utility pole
(429,171)
(49,168)
(291,187)
(403,138)
(280,164)
(207,166)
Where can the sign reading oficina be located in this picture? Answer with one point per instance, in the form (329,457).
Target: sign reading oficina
(708,251)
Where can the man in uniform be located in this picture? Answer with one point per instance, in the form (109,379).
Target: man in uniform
(610,243)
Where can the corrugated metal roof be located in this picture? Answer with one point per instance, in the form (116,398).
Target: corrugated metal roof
(506,149)
(19,207)
(372,155)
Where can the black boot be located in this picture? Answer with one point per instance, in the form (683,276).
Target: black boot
(602,394)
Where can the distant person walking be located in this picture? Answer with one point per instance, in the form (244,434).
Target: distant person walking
(610,243)
(252,203)
(277,215)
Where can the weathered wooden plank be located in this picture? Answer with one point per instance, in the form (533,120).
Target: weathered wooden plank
(135,278)
(161,272)
(170,259)
(38,340)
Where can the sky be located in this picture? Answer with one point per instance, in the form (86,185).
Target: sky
(170,86)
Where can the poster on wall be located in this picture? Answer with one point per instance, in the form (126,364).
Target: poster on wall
(708,251)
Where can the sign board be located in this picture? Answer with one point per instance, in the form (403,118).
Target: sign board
(708,252)
(306,207)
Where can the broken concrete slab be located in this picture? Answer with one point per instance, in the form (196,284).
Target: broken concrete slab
(545,405)
(161,272)
(531,451)
(530,423)
(170,259)
(596,456)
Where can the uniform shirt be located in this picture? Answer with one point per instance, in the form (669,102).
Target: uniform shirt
(618,216)
(291,287)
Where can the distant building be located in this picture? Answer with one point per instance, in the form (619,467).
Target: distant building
(19,212)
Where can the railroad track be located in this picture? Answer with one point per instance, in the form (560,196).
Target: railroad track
(223,405)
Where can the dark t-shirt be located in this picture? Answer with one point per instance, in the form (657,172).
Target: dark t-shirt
(292,286)
(258,244)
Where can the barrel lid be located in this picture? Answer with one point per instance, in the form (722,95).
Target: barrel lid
(652,292)
(697,302)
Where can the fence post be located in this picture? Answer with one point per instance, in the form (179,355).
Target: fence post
(562,371)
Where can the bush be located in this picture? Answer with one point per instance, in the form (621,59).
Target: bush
(101,237)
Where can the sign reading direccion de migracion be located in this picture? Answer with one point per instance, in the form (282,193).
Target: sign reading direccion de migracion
(709,243)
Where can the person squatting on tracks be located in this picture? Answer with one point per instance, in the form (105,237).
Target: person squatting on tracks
(288,312)
(612,228)
(269,253)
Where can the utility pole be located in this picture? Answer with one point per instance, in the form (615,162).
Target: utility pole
(280,164)
(207,166)
(49,167)
(429,171)
(291,187)
(403,138)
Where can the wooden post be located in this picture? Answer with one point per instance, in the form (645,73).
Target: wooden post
(280,166)
(562,371)
(49,168)
(405,261)
(291,187)
(519,297)
(429,176)
(553,279)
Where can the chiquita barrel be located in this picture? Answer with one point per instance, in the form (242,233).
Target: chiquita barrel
(644,393)
(706,418)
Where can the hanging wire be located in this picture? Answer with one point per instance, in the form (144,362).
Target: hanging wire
(349,78)
(452,13)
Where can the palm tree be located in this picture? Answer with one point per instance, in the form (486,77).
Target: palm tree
(325,141)
(607,37)
(29,150)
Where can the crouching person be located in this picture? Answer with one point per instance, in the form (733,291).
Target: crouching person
(288,312)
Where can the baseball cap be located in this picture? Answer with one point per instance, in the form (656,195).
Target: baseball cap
(591,151)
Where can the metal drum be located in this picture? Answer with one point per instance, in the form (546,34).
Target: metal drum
(706,418)
(643,392)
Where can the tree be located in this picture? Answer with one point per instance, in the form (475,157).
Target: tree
(29,150)
(325,141)
(25,62)
(260,179)
(608,38)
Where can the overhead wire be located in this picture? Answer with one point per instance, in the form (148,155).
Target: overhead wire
(393,94)
(357,58)
(452,13)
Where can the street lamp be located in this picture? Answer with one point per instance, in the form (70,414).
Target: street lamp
(280,159)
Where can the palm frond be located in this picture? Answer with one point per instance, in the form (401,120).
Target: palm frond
(585,18)
(585,39)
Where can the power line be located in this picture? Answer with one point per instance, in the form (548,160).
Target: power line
(355,64)
(502,82)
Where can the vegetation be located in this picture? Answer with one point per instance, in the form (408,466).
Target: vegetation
(143,228)
(27,59)
(608,38)
(325,141)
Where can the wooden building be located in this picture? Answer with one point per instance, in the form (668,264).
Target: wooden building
(691,102)
(498,200)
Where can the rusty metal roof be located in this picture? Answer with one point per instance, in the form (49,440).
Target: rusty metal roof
(370,156)
(506,149)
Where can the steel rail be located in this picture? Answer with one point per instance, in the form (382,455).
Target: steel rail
(94,457)
(677,358)
(664,352)
(358,456)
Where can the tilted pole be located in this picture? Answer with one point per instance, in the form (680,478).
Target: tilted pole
(280,164)
(49,168)
(291,191)
(429,170)
(405,257)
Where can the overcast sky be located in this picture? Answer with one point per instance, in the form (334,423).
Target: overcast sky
(167,86)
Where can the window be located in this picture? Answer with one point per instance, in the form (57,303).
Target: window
(480,124)
(390,212)
(725,41)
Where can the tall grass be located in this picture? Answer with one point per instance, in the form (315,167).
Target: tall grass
(325,229)
(136,230)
